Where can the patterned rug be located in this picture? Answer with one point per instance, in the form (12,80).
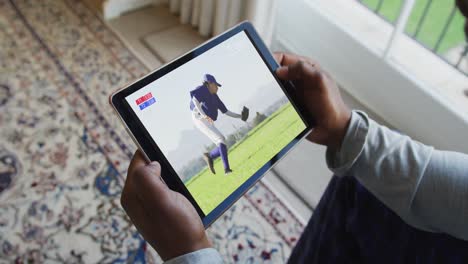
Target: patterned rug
(64,154)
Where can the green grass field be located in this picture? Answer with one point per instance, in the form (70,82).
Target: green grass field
(246,157)
(433,24)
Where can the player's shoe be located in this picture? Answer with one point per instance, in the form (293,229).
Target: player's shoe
(209,162)
(227,171)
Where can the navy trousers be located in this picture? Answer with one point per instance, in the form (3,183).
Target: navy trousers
(350,225)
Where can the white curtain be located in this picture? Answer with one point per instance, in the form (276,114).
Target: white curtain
(212,17)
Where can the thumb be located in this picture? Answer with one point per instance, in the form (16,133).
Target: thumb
(148,184)
(300,70)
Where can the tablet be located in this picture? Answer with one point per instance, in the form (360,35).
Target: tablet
(217,119)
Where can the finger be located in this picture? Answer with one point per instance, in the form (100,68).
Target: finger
(138,215)
(133,200)
(125,200)
(148,185)
(298,71)
(131,205)
(138,160)
(285,59)
(128,196)
(278,57)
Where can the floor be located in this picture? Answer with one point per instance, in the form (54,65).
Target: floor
(156,37)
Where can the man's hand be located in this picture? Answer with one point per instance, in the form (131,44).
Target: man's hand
(166,219)
(320,96)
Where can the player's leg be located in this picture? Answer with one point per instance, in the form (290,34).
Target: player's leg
(216,137)
(221,149)
(198,122)
(224,157)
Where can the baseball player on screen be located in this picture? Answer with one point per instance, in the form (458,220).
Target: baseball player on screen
(204,104)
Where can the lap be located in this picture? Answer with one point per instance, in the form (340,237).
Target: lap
(350,225)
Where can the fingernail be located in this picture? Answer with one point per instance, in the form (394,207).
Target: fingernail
(281,70)
(154,164)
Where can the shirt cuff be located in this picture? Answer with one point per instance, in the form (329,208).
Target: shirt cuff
(353,143)
(205,256)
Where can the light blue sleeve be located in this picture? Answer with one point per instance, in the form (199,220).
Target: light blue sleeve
(202,256)
(427,188)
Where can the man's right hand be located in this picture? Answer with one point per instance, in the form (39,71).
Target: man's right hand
(320,96)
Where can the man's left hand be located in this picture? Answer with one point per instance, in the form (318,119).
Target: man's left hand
(166,219)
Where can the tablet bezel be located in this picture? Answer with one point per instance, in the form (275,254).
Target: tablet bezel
(150,148)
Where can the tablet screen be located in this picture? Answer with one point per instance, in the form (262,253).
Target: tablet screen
(195,115)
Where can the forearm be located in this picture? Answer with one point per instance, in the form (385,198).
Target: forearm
(232,114)
(442,197)
(390,165)
(393,167)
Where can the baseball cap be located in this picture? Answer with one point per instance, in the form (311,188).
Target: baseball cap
(210,78)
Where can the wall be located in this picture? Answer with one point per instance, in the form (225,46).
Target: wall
(381,86)
(114,8)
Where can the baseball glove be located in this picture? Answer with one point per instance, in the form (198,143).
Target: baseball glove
(245,114)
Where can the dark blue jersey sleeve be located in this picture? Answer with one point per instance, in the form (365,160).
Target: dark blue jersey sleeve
(200,93)
(221,105)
